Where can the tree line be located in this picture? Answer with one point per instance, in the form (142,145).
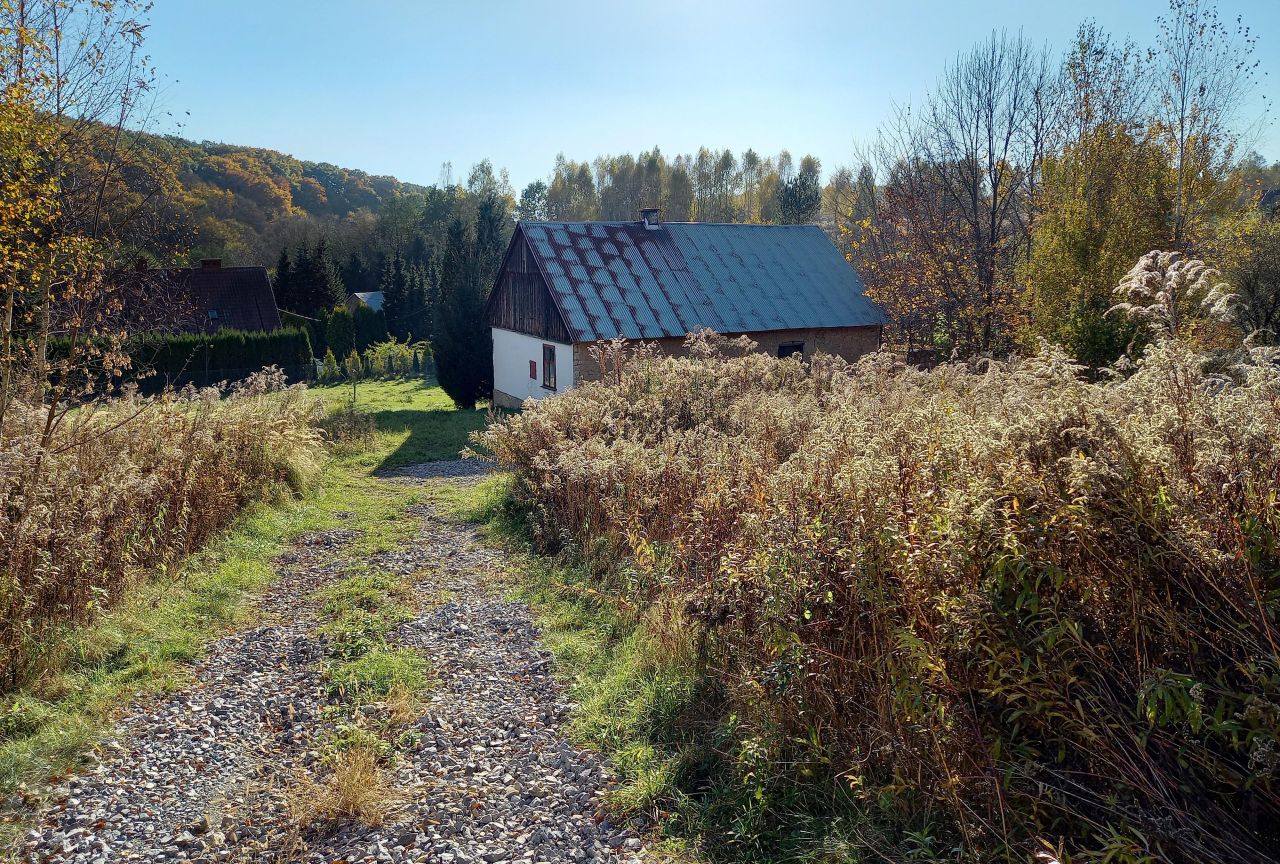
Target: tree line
(1003,208)
(1007,205)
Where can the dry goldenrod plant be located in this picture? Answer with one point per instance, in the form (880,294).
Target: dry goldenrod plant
(127,487)
(1027,604)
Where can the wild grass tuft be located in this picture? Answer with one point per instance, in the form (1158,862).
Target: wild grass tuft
(355,788)
(375,674)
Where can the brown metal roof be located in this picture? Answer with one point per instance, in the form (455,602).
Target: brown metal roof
(206,298)
(612,279)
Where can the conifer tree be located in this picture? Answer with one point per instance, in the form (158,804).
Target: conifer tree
(297,296)
(340,331)
(420,319)
(322,288)
(283,283)
(329,371)
(355,274)
(369,327)
(463,344)
(396,303)
(418,253)
(799,198)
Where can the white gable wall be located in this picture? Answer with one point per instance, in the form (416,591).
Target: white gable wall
(512,353)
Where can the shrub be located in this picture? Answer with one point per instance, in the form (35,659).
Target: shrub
(1035,612)
(225,355)
(354,366)
(126,487)
(392,359)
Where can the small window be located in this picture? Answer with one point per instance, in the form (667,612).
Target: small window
(213,314)
(533,369)
(786,349)
(549,366)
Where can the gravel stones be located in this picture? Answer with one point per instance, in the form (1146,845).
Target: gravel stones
(485,774)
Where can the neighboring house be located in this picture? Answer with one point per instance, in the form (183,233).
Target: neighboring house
(372,299)
(565,285)
(200,299)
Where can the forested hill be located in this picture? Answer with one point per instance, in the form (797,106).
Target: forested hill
(244,203)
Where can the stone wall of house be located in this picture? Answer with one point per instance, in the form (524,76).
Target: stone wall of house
(847,342)
(506,400)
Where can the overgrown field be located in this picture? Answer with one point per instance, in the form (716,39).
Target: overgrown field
(117,490)
(975,613)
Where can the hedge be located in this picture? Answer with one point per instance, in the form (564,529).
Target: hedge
(227,354)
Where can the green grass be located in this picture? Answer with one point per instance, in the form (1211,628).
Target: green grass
(146,642)
(415,423)
(371,591)
(361,610)
(376,673)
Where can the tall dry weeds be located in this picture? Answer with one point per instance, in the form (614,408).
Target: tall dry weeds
(128,486)
(1042,609)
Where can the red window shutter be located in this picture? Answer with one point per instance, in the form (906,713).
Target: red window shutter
(533,369)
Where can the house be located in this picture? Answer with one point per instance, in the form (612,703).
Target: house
(565,285)
(200,299)
(372,299)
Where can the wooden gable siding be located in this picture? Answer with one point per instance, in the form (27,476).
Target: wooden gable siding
(521,300)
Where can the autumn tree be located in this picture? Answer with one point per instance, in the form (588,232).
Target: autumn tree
(849,202)
(1206,69)
(678,202)
(571,196)
(74,82)
(1247,250)
(533,202)
(1102,200)
(956,219)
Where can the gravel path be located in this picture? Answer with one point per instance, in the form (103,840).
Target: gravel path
(488,774)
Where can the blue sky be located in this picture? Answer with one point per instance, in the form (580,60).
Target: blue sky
(398,87)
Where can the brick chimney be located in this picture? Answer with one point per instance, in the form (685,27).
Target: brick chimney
(210,263)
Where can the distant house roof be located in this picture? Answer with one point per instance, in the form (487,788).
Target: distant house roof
(203,299)
(372,299)
(638,281)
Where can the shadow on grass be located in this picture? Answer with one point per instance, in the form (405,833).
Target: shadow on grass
(432,433)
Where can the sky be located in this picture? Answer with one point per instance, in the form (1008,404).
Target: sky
(401,86)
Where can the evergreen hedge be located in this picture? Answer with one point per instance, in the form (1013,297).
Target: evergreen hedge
(203,358)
